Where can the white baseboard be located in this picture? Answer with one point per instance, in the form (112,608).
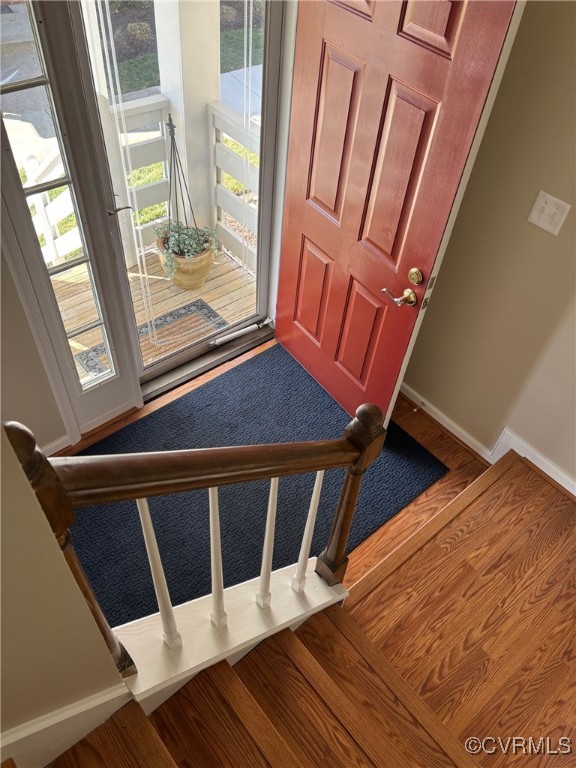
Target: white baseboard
(56,445)
(450,425)
(508,440)
(38,742)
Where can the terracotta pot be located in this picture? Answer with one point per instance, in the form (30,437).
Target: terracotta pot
(189,273)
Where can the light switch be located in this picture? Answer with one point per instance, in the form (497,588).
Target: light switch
(548,212)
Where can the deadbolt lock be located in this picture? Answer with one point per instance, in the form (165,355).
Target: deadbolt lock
(415,276)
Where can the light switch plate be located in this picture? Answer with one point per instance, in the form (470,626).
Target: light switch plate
(548,212)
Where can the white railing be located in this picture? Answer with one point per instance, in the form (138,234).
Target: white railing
(142,117)
(236,213)
(142,143)
(170,646)
(203,631)
(146,119)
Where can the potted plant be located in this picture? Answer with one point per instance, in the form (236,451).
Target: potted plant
(186,252)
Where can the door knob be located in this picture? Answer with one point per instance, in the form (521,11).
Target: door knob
(408,297)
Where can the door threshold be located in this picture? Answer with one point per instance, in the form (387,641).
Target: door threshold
(206,362)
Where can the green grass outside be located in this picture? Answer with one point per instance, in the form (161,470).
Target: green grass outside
(136,74)
(232,49)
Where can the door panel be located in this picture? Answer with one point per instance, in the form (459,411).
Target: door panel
(337,114)
(386,101)
(315,274)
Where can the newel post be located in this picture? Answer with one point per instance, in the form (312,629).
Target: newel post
(60,514)
(366,433)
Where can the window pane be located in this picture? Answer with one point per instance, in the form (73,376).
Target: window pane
(33,138)
(75,295)
(56,224)
(91,355)
(19,58)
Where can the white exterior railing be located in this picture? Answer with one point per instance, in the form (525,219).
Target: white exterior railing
(243,208)
(141,116)
(147,115)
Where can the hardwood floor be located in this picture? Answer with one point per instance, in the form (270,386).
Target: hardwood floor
(461,622)
(479,618)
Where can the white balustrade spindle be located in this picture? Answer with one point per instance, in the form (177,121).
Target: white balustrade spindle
(218,615)
(172,637)
(263,595)
(299,578)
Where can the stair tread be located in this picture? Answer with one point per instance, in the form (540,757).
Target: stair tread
(297,712)
(388,732)
(202,730)
(274,748)
(394,681)
(126,740)
(403,526)
(424,533)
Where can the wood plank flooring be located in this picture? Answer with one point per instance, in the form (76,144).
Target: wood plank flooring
(480,620)
(469,599)
(124,741)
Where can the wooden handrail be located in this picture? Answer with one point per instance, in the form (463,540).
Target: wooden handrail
(63,484)
(101,479)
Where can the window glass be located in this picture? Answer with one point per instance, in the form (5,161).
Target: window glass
(29,122)
(75,295)
(19,59)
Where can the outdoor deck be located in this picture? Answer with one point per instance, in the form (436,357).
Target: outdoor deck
(229,293)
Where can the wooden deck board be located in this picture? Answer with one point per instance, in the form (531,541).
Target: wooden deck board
(230,290)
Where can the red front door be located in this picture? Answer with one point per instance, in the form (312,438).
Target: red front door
(386,100)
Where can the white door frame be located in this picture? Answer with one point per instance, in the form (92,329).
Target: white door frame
(81,410)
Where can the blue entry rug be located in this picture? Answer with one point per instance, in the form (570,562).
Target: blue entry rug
(268,399)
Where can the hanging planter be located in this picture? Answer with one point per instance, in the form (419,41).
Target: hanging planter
(186,251)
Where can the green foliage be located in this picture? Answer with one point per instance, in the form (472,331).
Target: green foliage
(233,184)
(232,49)
(232,13)
(66,224)
(54,193)
(183,241)
(146,175)
(235,146)
(138,73)
(229,181)
(151,213)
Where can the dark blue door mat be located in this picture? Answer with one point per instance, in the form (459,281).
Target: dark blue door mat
(268,399)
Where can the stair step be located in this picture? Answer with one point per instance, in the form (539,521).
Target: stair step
(274,748)
(390,732)
(126,740)
(202,730)
(296,710)
(399,687)
(424,533)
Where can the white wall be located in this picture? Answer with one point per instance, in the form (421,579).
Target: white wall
(53,655)
(497,347)
(26,392)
